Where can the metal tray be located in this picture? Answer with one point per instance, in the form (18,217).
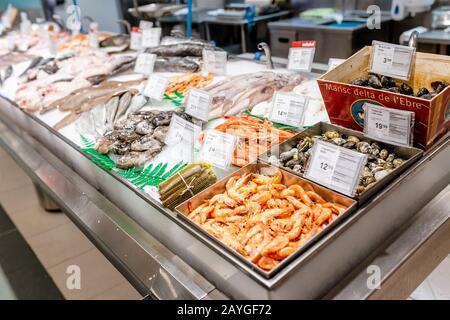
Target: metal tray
(409,154)
(288,180)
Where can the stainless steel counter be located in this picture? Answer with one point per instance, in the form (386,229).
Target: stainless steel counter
(162,256)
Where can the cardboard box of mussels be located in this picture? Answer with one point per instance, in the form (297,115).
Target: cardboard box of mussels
(344,102)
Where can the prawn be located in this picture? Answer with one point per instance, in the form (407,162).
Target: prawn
(301,194)
(315,197)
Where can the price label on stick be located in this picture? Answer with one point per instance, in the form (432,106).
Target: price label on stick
(199,104)
(151,37)
(145,25)
(388,125)
(333,63)
(182,133)
(156,86)
(335,167)
(289,109)
(136,39)
(181,130)
(392,60)
(215,61)
(301,56)
(145,63)
(218,149)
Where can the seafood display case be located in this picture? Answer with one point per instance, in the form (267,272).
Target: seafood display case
(175,254)
(317,270)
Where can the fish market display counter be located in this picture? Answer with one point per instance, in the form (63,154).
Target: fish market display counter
(165,257)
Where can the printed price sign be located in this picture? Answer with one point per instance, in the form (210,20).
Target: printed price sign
(156,86)
(335,167)
(93,35)
(333,63)
(301,56)
(288,109)
(136,39)
(181,130)
(388,125)
(218,149)
(392,60)
(145,25)
(151,37)
(215,61)
(145,63)
(198,104)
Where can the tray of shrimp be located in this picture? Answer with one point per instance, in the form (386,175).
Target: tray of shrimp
(264,217)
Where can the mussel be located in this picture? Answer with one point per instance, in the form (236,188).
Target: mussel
(406,89)
(375,82)
(363,82)
(387,82)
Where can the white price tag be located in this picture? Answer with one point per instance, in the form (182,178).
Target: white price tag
(93,35)
(151,37)
(218,149)
(289,109)
(333,63)
(335,167)
(215,61)
(181,130)
(145,63)
(145,25)
(199,104)
(392,60)
(301,57)
(156,87)
(136,40)
(388,125)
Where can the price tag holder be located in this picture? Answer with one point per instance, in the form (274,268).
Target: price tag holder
(145,24)
(93,35)
(289,109)
(156,87)
(181,130)
(136,39)
(218,149)
(145,63)
(151,37)
(301,56)
(335,167)
(388,125)
(215,61)
(392,60)
(333,63)
(199,104)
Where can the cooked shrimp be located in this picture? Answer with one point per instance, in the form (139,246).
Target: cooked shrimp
(324,217)
(267,263)
(261,198)
(301,194)
(315,197)
(275,245)
(222,198)
(336,208)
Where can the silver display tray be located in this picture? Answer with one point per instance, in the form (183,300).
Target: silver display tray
(409,154)
(288,180)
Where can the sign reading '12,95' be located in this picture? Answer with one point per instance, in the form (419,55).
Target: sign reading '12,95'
(335,167)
